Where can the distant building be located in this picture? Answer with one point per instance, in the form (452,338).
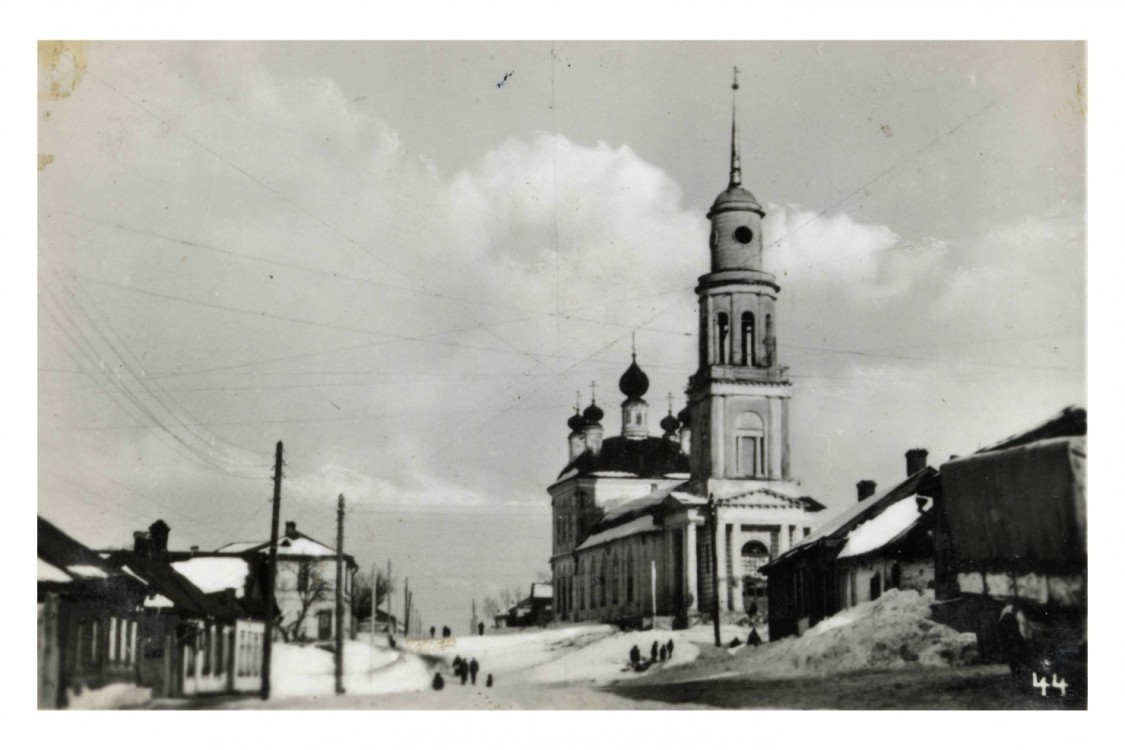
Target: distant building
(630,512)
(884,541)
(306,583)
(536,609)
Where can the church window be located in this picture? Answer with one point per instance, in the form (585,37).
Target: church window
(637,418)
(744,234)
(769,342)
(722,331)
(754,556)
(750,444)
(749,354)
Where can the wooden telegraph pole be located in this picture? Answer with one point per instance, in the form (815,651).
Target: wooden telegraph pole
(271,576)
(712,506)
(340,596)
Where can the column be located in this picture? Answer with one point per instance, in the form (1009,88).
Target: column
(737,604)
(691,568)
(721,554)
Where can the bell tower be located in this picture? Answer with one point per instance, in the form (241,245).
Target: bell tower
(739,395)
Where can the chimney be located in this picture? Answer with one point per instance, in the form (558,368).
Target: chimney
(291,529)
(865,488)
(194,548)
(916,460)
(141,545)
(158,534)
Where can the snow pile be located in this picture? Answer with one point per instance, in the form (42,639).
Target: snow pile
(894,631)
(114,695)
(311,670)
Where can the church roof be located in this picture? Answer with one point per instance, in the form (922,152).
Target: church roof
(650,457)
(636,526)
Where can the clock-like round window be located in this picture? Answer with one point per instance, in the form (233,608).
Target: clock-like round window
(744,234)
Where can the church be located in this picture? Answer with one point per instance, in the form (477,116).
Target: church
(631,524)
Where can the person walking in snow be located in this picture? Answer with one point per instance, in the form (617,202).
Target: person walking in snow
(433,630)
(754,639)
(488,682)
(480,628)
(464,673)
(473,669)
(635,657)
(671,645)
(663,653)
(655,650)
(456,663)
(438,683)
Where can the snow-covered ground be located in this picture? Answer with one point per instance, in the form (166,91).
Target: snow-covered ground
(114,695)
(892,632)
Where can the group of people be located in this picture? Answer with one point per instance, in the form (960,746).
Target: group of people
(751,640)
(466,669)
(659,652)
(447,633)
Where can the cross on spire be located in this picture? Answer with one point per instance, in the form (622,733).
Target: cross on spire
(735,162)
(577,401)
(593,391)
(634,346)
(669,402)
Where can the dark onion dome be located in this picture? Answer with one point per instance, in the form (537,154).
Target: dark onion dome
(736,198)
(651,457)
(593,414)
(684,416)
(669,424)
(575,423)
(634,383)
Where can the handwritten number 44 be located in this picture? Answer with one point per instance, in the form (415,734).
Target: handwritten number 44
(1043,685)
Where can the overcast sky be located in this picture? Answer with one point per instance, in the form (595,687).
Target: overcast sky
(404,264)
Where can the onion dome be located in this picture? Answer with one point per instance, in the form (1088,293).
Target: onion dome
(634,383)
(575,422)
(592,414)
(669,424)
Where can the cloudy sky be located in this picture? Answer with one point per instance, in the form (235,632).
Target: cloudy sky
(404,259)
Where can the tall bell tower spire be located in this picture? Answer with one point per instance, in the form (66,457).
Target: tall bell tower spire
(739,396)
(735,162)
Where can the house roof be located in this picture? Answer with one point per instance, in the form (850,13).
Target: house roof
(62,559)
(215,573)
(293,545)
(646,458)
(170,588)
(839,527)
(542,591)
(896,520)
(1070,422)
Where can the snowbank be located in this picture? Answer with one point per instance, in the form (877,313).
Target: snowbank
(894,631)
(310,670)
(114,695)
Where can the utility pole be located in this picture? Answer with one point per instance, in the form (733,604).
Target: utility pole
(406,607)
(390,610)
(653,577)
(713,508)
(374,604)
(271,576)
(340,596)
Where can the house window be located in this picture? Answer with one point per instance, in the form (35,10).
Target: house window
(616,579)
(219,641)
(112,649)
(303,578)
(324,624)
(629,573)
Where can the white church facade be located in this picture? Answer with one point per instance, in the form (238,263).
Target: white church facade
(630,512)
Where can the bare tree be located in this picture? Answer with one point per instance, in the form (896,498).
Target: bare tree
(312,587)
(493,607)
(362,594)
(544,576)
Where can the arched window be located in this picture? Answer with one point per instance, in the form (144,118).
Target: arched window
(749,354)
(722,333)
(754,556)
(750,444)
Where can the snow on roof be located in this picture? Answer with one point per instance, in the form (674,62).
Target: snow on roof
(49,573)
(304,547)
(158,601)
(86,571)
(878,531)
(640,525)
(238,546)
(614,474)
(678,475)
(542,591)
(129,570)
(213,574)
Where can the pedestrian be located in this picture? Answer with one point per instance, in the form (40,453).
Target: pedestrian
(457,665)
(754,639)
(480,628)
(464,673)
(635,656)
(433,630)
(439,683)
(671,645)
(734,642)
(663,653)
(655,650)
(445,631)
(391,640)
(488,683)
(474,667)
